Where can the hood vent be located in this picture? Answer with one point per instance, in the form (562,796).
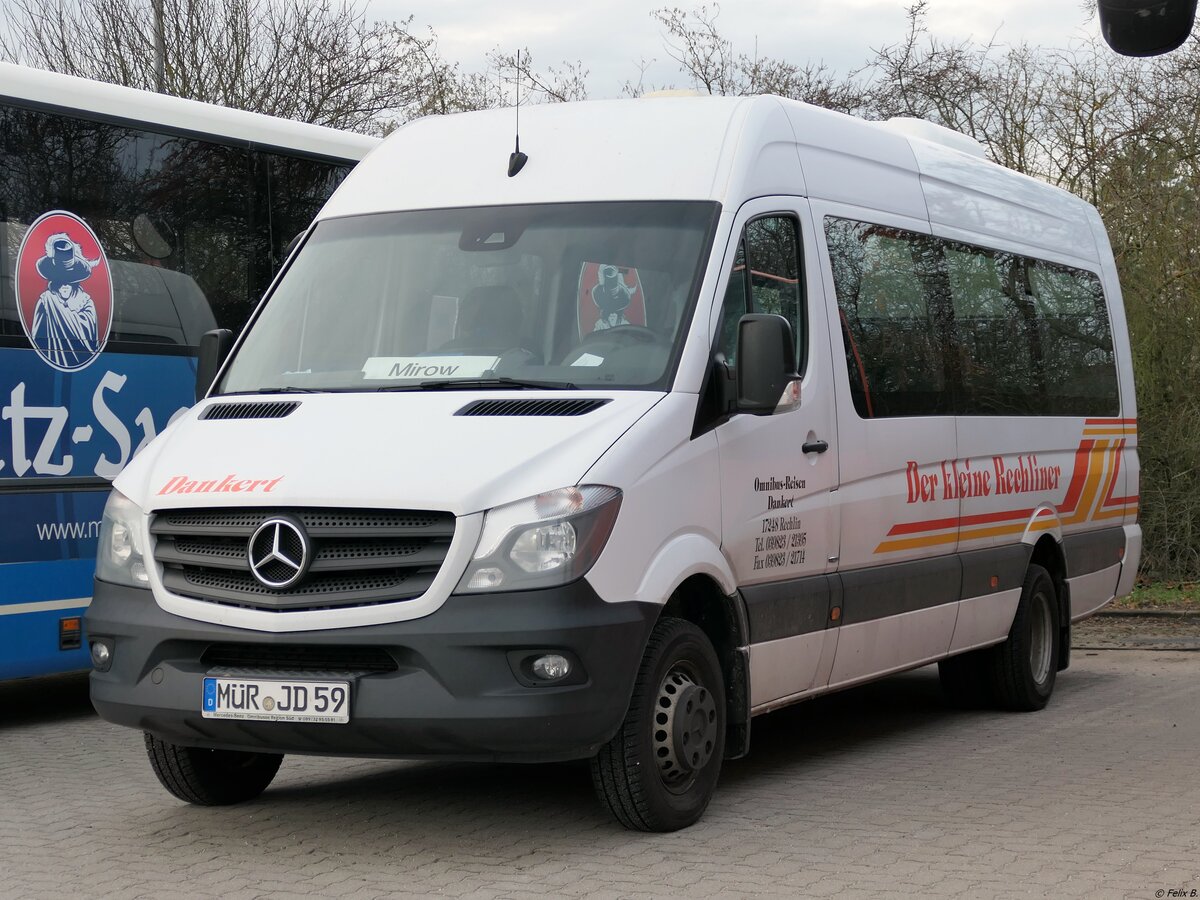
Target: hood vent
(271,409)
(580,407)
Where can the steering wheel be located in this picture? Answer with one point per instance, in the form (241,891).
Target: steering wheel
(635,333)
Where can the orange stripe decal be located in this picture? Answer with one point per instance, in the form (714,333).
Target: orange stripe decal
(1078,476)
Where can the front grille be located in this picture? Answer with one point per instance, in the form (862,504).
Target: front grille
(359,557)
(298,658)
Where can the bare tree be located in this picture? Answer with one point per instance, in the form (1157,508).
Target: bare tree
(557,84)
(703,54)
(320,62)
(708,60)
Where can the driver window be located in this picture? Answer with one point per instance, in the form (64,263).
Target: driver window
(774,265)
(765,278)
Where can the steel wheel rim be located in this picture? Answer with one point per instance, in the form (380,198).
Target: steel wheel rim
(682,702)
(1041,638)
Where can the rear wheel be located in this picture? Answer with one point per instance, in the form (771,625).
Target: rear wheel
(1024,667)
(660,769)
(211,777)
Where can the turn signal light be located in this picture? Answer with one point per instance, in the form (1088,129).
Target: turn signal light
(70,633)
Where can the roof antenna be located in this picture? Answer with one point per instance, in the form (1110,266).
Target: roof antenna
(517,159)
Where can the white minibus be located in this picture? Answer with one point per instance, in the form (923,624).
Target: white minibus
(692,409)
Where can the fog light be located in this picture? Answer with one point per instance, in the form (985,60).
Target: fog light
(551,667)
(101,655)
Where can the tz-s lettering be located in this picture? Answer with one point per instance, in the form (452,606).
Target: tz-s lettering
(45,440)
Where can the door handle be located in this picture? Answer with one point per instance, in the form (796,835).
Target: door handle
(815,447)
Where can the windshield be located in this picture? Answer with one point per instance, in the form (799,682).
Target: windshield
(556,295)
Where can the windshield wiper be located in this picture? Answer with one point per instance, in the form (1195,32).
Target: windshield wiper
(278,390)
(482,384)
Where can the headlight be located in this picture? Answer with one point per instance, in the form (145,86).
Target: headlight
(120,557)
(542,541)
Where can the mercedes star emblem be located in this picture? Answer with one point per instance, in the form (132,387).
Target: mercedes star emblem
(278,553)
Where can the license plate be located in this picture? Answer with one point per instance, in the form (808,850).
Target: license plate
(276,701)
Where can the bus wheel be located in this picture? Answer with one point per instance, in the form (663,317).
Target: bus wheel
(660,769)
(211,777)
(1025,665)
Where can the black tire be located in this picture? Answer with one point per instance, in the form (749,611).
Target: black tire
(211,777)
(659,771)
(966,682)
(1023,668)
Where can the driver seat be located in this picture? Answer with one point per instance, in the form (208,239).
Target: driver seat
(490,318)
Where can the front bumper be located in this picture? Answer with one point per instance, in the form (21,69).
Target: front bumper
(456,691)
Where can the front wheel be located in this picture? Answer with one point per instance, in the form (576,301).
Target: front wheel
(211,777)
(660,769)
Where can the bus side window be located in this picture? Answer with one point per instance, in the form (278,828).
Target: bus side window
(893,316)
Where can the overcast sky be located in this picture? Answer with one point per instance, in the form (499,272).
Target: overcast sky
(611,36)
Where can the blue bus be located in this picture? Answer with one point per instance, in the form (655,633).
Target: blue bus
(130,224)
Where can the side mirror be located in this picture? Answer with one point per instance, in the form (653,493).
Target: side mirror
(767,381)
(214,347)
(293,243)
(1146,27)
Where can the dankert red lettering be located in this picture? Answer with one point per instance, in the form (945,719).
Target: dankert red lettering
(172,485)
(181,484)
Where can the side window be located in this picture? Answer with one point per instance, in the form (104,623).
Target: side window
(288,193)
(993,333)
(1074,340)
(773,248)
(936,327)
(893,314)
(765,278)
(193,230)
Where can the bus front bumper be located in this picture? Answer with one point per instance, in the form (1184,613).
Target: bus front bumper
(460,687)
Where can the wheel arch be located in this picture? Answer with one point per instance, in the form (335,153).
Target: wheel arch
(1048,553)
(701,600)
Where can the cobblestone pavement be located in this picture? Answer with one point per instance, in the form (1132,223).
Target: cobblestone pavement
(880,791)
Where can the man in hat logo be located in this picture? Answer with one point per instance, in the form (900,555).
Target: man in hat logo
(66,321)
(609,296)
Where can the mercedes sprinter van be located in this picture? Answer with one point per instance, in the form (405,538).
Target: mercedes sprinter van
(694,409)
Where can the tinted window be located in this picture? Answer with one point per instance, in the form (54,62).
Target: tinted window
(994,333)
(1074,340)
(933,326)
(193,230)
(892,310)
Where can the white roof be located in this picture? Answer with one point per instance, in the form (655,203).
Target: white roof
(714,148)
(147,109)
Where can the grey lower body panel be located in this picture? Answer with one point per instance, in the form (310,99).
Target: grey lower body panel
(798,606)
(457,690)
